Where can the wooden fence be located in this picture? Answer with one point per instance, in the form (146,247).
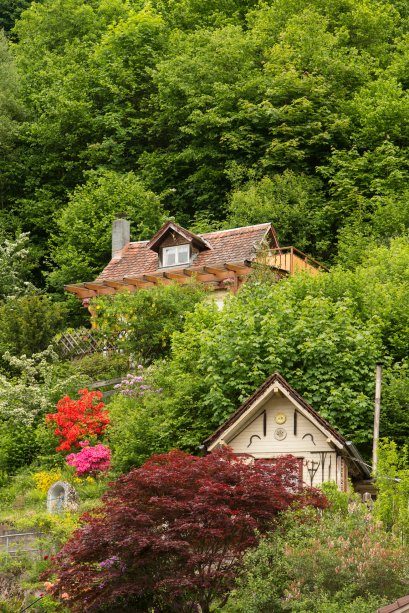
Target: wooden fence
(12,543)
(109,383)
(78,343)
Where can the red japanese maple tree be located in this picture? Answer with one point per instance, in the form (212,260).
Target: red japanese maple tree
(79,419)
(171,534)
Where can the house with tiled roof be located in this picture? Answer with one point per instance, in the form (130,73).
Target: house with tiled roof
(276,420)
(221,260)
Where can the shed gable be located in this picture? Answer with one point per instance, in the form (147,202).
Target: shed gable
(277,421)
(278,428)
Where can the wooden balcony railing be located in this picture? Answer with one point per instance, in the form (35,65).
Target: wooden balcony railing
(292,260)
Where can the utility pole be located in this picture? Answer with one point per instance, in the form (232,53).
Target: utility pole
(378,386)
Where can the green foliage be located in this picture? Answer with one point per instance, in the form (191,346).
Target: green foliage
(17,447)
(323,333)
(28,323)
(293,203)
(10,11)
(315,342)
(392,482)
(83,245)
(339,501)
(213,106)
(395,393)
(26,397)
(14,266)
(193,14)
(143,425)
(342,562)
(95,367)
(146,320)
(11,113)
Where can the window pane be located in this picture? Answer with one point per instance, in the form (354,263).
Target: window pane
(183,254)
(170,258)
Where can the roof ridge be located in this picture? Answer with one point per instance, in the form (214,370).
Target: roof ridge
(258,225)
(276,376)
(203,234)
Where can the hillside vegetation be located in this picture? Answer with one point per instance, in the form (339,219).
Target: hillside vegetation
(218,114)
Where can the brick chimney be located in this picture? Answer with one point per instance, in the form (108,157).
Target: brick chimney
(121,233)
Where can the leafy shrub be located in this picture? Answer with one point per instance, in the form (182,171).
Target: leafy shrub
(135,385)
(17,446)
(39,382)
(172,533)
(14,264)
(96,367)
(90,460)
(392,483)
(147,319)
(28,324)
(340,562)
(44,479)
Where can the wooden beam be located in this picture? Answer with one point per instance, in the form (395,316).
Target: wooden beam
(99,288)
(240,269)
(157,279)
(120,285)
(138,282)
(199,275)
(219,273)
(180,278)
(80,291)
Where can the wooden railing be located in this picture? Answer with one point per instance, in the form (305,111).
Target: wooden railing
(292,260)
(109,384)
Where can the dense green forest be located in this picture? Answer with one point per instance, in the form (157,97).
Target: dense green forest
(217,113)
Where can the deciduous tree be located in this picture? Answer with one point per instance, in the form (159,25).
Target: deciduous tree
(172,533)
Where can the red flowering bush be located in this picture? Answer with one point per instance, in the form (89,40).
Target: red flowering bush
(90,460)
(79,419)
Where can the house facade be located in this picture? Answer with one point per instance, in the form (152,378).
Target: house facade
(220,260)
(277,421)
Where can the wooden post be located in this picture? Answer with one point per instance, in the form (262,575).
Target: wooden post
(377,415)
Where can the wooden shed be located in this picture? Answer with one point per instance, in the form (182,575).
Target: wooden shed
(276,421)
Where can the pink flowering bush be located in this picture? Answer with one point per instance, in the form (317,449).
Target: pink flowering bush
(90,460)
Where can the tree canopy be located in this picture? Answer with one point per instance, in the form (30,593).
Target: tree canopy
(231,112)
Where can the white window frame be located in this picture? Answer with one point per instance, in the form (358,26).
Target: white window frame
(177,250)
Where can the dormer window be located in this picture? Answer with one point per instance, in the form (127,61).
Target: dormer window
(176,255)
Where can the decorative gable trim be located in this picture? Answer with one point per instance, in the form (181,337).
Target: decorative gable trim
(261,395)
(274,384)
(170,226)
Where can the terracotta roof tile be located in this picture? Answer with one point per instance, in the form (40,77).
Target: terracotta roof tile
(400,604)
(233,246)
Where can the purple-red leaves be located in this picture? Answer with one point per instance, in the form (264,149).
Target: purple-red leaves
(176,529)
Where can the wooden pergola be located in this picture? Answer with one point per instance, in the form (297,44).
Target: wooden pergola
(229,275)
(282,260)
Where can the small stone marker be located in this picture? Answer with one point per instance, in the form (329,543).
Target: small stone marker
(61,497)
(368,500)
